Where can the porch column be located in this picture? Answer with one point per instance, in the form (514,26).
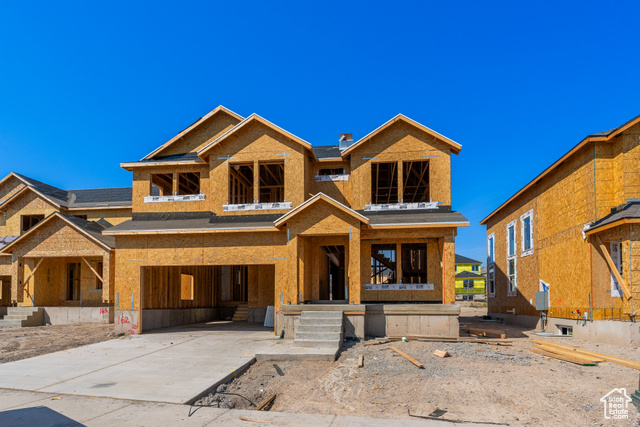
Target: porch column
(106,276)
(291,289)
(355,280)
(16,279)
(448,269)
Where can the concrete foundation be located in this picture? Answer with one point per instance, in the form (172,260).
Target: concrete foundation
(165,318)
(256,315)
(67,315)
(602,331)
(127,322)
(379,320)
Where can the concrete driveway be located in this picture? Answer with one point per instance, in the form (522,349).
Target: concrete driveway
(174,365)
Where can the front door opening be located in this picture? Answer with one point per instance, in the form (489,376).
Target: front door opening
(73,281)
(332,273)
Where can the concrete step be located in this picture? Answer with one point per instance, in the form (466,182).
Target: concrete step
(10,323)
(16,316)
(316,343)
(324,354)
(320,322)
(24,316)
(321,315)
(23,310)
(319,328)
(322,336)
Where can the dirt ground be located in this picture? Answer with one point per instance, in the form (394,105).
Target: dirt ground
(478,383)
(22,343)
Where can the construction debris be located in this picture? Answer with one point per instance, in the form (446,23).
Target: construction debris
(564,358)
(409,358)
(447,339)
(442,353)
(278,370)
(579,353)
(493,333)
(266,403)
(361,361)
(253,420)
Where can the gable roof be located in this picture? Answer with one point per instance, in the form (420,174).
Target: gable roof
(455,147)
(251,119)
(460,259)
(625,214)
(605,136)
(191,127)
(310,202)
(119,197)
(469,275)
(92,230)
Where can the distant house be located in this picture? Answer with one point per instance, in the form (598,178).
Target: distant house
(469,278)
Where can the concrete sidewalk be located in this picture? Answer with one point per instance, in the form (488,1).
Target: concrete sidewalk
(174,365)
(22,408)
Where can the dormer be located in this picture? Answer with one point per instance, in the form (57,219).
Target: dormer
(257,167)
(401,165)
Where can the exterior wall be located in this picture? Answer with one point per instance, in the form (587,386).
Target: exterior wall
(337,190)
(252,144)
(56,239)
(142,189)
(584,188)
(401,142)
(29,203)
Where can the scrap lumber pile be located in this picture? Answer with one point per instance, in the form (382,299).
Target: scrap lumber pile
(492,333)
(577,355)
(442,339)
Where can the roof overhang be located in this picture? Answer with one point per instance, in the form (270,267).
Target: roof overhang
(622,221)
(35,228)
(190,231)
(197,123)
(455,147)
(129,166)
(203,152)
(315,199)
(589,139)
(421,225)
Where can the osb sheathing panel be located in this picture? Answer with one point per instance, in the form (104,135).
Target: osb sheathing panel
(29,203)
(9,188)
(203,134)
(631,163)
(601,273)
(257,142)
(48,286)
(142,189)
(162,287)
(322,218)
(435,253)
(5,265)
(527,267)
(578,192)
(401,141)
(134,252)
(337,190)
(261,286)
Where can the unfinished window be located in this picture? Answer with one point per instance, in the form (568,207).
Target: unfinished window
(491,248)
(383,264)
(331,171)
(384,183)
(414,263)
(467,284)
(511,259)
(526,229)
(272,182)
(186,287)
(99,268)
(616,256)
(161,184)
(188,183)
(475,268)
(241,184)
(28,221)
(415,188)
(491,278)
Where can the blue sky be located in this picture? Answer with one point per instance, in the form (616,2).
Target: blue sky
(87,85)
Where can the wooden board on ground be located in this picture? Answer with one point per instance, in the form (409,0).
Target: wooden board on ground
(603,357)
(361,361)
(265,404)
(564,358)
(493,333)
(406,356)
(566,353)
(442,353)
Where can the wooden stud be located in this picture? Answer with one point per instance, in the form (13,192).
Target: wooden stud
(612,267)
(409,358)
